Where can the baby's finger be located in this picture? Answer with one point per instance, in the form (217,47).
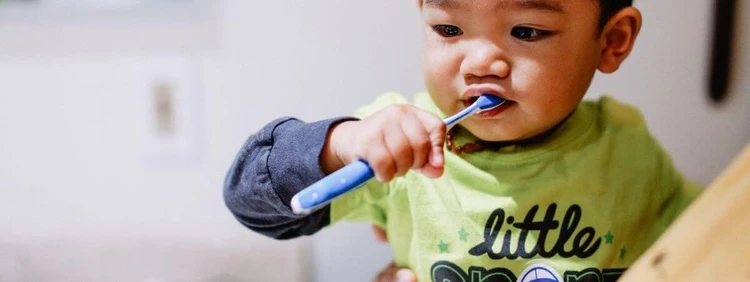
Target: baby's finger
(436,129)
(398,145)
(381,161)
(419,141)
(431,171)
(393,274)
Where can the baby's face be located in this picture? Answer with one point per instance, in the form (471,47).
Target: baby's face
(540,55)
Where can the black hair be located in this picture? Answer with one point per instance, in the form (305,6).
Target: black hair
(608,8)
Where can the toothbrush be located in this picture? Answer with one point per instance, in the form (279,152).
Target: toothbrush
(357,173)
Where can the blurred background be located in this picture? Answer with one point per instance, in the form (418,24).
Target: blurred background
(119,119)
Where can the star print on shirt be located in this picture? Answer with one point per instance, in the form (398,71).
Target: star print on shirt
(608,237)
(462,235)
(443,247)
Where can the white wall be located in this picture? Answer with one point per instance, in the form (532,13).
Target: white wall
(75,140)
(317,59)
(666,77)
(82,197)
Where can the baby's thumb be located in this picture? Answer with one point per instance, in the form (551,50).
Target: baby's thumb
(405,275)
(436,130)
(434,166)
(437,140)
(393,274)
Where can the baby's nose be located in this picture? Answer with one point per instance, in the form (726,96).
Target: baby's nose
(485,60)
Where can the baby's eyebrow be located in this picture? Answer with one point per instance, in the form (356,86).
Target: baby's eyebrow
(545,5)
(441,3)
(551,6)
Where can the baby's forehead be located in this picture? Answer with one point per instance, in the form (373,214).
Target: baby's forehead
(548,7)
(551,5)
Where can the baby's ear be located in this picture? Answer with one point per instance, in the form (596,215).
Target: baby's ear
(618,37)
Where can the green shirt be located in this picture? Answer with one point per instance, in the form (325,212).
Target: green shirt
(582,204)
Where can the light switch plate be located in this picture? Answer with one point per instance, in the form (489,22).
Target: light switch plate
(169,114)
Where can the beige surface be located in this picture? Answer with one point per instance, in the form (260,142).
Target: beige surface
(150,259)
(711,240)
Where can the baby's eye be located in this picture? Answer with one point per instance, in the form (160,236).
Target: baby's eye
(528,33)
(447,30)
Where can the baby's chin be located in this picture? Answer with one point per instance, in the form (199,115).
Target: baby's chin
(495,133)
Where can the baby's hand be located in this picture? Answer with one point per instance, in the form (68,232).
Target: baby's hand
(391,273)
(392,141)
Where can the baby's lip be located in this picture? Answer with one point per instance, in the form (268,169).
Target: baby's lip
(472,94)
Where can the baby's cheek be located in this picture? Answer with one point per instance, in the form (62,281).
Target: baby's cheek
(439,79)
(434,70)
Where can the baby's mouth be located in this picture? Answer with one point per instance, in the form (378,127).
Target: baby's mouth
(472,100)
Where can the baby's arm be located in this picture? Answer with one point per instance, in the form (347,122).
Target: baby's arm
(273,165)
(288,155)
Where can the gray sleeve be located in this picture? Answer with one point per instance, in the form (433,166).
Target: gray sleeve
(272,166)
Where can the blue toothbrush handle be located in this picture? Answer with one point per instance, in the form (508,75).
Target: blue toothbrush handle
(359,172)
(331,186)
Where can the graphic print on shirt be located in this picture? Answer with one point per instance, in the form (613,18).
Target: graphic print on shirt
(584,243)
